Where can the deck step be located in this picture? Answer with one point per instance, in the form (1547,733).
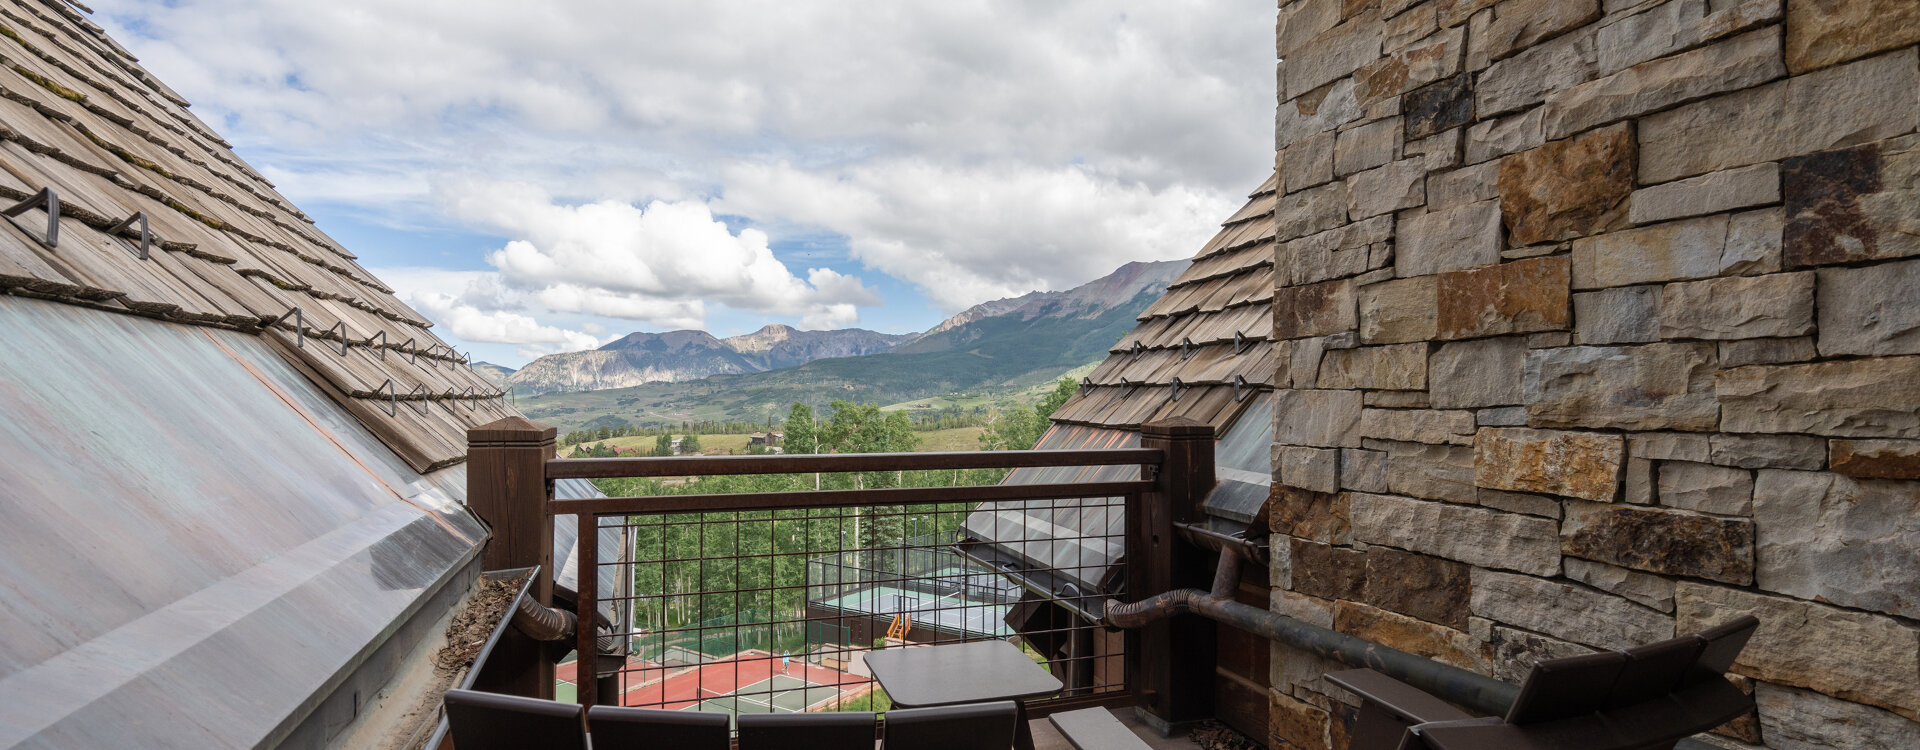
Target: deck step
(1096,729)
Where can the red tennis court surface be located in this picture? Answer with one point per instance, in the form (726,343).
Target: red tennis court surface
(648,685)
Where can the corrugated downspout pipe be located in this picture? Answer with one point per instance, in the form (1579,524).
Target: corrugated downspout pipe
(1453,684)
(542,623)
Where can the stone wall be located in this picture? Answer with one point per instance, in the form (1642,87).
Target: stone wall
(1601,322)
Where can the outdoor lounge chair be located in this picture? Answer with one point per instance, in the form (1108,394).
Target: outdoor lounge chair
(1644,698)
(822,731)
(976,726)
(616,728)
(490,721)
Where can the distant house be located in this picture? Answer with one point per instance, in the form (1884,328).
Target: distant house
(764,438)
(234,463)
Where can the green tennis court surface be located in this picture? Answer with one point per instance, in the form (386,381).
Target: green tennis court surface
(781,694)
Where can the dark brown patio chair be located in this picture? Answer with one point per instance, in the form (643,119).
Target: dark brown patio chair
(821,731)
(615,728)
(977,726)
(490,721)
(1644,698)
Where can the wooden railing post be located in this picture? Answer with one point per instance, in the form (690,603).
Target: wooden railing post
(507,488)
(1171,661)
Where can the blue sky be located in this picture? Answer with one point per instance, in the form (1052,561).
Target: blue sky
(542,177)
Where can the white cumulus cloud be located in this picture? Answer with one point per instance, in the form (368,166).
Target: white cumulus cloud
(656,263)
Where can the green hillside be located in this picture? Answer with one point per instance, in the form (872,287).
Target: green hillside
(1004,355)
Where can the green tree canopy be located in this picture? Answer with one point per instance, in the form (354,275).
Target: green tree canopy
(1020,429)
(800,430)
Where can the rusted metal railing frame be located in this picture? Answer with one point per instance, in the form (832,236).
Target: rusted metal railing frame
(588,512)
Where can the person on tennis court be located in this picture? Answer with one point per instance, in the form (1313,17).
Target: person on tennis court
(786,663)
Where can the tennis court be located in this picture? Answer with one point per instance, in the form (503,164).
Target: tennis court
(778,694)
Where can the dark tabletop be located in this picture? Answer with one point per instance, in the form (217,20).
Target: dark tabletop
(959,673)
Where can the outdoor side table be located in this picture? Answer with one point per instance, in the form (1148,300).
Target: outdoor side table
(956,673)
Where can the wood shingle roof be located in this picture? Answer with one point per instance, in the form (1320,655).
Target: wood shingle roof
(80,117)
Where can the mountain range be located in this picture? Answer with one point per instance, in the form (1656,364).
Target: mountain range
(677,356)
(1010,342)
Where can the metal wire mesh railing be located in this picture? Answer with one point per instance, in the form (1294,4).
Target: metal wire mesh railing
(769,602)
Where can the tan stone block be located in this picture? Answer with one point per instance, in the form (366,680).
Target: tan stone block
(1387,188)
(1709,193)
(1320,309)
(1367,146)
(1310,211)
(1850,542)
(1754,242)
(1570,464)
(1519,24)
(1765,351)
(1402,310)
(1870,310)
(1417,425)
(1306,163)
(1673,251)
(1620,315)
(1824,32)
(1738,63)
(1459,187)
(1332,55)
(1568,188)
(1476,536)
(1344,251)
(1667,386)
(1568,612)
(1525,79)
(1430,471)
(1859,657)
(1742,307)
(1793,719)
(1397,631)
(1497,137)
(1518,297)
(1401,367)
(1863,101)
(1302,22)
(1409,27)
(1327,419)
(1455,239)
(1706,488)
(1317,111)
(1649,590)
(1848,398)
(1478,373)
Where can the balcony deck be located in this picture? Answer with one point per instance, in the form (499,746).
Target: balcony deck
(1045,737)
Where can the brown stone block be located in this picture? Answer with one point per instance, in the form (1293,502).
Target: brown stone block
(1319,516)
(1568,188)
(1327,571)
(1295,725)
(1875,459)
(1414,636)
(1661,541)
(1518,297)
(1570,464)
(1421,586)
(1824,32)
(1313,310)
(1825,222)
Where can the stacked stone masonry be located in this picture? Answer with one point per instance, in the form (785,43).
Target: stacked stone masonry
(1631,345)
